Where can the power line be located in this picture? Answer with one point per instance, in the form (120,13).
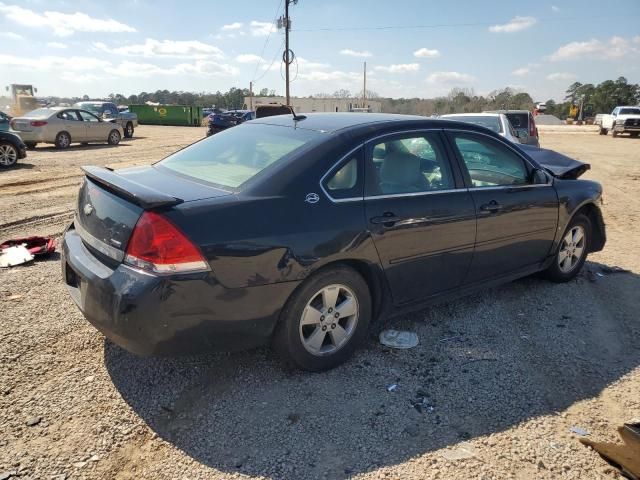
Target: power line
(267,69)
(449,25)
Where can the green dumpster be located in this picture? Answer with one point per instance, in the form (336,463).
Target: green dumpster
(179,115)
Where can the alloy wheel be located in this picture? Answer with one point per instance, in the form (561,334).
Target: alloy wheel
(8,155)
(572,249)
(329,320)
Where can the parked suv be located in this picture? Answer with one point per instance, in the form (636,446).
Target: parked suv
(523,123)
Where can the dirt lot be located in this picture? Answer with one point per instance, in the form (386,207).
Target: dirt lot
(508,372)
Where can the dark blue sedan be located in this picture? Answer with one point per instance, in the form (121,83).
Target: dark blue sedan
(216,122)
(301,231)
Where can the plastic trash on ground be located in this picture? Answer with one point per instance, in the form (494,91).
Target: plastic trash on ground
(398,339)
(15,256)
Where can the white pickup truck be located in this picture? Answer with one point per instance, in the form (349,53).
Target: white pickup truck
(621,120)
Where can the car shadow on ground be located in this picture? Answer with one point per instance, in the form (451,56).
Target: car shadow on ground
(484,364)
(77,147)
(20,165)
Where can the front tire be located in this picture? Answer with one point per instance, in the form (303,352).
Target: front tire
(128,130)
(8,155)
(324,320)
(572,251)
(114,137)
(63,140)
(614,134)
(634,134)
(602,131)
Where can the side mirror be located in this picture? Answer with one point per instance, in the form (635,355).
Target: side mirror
(539,177)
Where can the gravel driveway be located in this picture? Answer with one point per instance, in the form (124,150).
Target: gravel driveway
(491,391)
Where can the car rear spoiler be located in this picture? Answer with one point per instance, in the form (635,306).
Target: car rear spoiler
(139,194)
(557,164)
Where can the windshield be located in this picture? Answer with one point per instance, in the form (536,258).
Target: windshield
(232,157)
(630,111)
(92,107)
(492,123)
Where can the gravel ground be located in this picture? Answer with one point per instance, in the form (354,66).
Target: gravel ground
(501,376)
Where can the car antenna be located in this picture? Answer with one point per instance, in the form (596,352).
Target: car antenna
(297,118)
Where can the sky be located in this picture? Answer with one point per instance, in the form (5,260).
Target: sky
(413,48)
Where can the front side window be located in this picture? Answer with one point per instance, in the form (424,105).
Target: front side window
(87,117)
(490,163)
(234,156)
(412,164)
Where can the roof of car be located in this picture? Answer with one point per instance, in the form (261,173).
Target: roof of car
(332,122)
(483,114)
(506,111)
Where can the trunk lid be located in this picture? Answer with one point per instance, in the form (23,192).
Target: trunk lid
(559,165)
(110,204)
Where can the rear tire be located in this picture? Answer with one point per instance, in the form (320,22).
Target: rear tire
(324,320)
(128,130)
(602,131)
(8,155)
(114,137)
(572,251)
(63,140)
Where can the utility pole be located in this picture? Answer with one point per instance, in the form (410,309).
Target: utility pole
(364,89)
(250,95)
(288,55)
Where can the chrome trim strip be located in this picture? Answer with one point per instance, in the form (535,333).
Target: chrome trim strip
(96,243)
(510,187)
(341,200)
(414,194)
(402,132)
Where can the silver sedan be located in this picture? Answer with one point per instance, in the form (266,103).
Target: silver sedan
(64,126)
(498,122)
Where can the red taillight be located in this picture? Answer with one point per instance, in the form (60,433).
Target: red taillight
(533,131)
(38,123)
(157,245)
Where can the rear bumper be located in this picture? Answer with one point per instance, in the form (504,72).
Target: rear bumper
(155,315)
(35,137)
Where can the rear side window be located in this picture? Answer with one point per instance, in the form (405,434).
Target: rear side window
(519,121)
(411,164)
(68,115)
(232,157)
(345,181)
(490,164)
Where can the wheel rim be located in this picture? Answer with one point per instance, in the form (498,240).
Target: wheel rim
(8,155)
(115,137)
(64,140)
(329,320)
(571,249)
(129,130)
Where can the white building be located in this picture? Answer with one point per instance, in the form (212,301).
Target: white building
(307,105)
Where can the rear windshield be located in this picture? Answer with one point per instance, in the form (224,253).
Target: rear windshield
(40,112)
(233,156)
(519,120)
(492,123)
(630,111)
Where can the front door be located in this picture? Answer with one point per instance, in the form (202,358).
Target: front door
(421,218)
(96,130)
(517,219)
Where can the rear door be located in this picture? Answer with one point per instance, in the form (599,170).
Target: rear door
(517,219)
(421,217)
(73,124)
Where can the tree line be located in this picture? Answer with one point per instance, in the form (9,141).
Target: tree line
(600,98)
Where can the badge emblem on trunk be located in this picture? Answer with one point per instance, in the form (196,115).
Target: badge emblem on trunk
(88,209)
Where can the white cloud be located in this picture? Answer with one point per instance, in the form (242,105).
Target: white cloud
(165,48)
(11,36)
(307,64)
(335,75)
(516,24)
(450,78)
(426,53)
(561,76)
(399,68)
(615,47)
(521,72)
(555,8)
(262,29)
(57,45)
(62,24)
(50,62)
(355,53)
(249,58)
(232,26)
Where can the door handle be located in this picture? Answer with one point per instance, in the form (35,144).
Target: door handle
(387,219)
(491,207)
